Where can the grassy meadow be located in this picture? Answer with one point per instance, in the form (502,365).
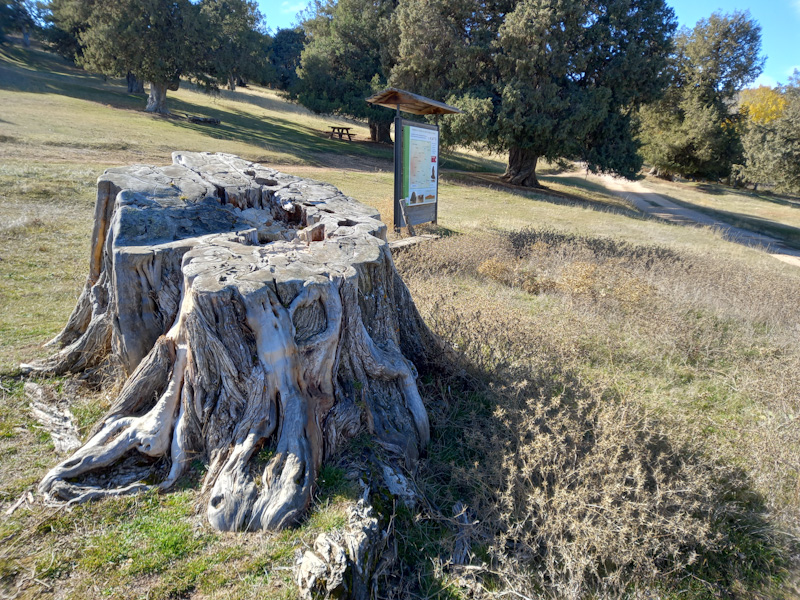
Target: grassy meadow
(619,410)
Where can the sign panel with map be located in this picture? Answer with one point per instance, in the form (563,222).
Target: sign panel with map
(421,157)
(416,172)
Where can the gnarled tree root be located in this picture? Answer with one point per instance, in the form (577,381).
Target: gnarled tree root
(344,563)
(254,311)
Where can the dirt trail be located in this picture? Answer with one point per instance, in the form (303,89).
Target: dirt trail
(662,207)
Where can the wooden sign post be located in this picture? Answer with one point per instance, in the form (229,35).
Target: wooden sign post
(416,157)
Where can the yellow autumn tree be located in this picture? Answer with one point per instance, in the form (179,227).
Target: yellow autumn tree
(763,104)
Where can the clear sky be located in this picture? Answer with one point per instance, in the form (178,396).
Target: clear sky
(779,20)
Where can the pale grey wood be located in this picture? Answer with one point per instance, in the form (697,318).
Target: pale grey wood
(344,563)
(248,309)
(54,415)
(412,241)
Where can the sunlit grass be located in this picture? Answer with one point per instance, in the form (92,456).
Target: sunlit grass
(746,203)
(707,349)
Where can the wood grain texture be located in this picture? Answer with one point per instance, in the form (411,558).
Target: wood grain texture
(249,310)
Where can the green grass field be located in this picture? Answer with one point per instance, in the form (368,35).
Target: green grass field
(621,412)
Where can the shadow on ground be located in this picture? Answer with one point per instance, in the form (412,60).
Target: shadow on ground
(544,194)
(39,72)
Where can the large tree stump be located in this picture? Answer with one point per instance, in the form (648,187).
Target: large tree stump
(250,309)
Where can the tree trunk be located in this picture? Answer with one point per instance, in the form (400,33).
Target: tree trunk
(521,168)
(251,309)
(380,131)
(157,100)
(232,82)
(135,85)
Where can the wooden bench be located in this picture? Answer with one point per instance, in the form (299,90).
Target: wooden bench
(341,132)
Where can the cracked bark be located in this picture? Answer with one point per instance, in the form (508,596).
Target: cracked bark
(249,309)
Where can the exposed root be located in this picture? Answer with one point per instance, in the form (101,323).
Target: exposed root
(149,434)
(54,418)
(271,320)
(344,563)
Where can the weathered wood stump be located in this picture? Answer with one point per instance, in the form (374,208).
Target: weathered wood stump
(250,309)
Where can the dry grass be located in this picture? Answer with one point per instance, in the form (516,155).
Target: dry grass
(746,203)
(620,412)
(45,214)
(635,425)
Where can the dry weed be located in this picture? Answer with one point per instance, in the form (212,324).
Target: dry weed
(631,427)
(575,490)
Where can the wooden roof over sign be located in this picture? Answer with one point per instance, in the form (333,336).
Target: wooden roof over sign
(412,103)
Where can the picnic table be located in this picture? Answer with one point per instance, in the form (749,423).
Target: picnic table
(341,132)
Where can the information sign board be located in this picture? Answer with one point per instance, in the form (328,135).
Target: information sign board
(416,172)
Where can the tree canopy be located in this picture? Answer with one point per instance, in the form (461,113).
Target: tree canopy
(18,16)
(771,142)
(236,47)
(694,130)
(67,20)
(537,78)
(157,40)
(287,46)
(160,41)
(348,55)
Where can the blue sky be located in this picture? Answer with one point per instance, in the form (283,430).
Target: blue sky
(779,20)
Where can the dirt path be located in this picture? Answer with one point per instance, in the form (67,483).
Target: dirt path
(662,207)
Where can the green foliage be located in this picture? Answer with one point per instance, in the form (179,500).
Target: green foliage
(17,16)
(160,41)
(236,49)
(66,21)
(287,44)
(542,79)
(720,56)
(693,130)
(157,40)
(683,135)
(348,56)
(772,147)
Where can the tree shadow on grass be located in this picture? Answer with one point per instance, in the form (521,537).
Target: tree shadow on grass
(575,492)
(719,189)
(711,189)
(271,133)
(37,71)
(274,134)
(494,183)
(780,232)
(577,182)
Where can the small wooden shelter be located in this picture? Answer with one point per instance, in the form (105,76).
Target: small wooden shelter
(411,103)
(414,202)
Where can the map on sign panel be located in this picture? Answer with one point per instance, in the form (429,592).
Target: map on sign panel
(423,147)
